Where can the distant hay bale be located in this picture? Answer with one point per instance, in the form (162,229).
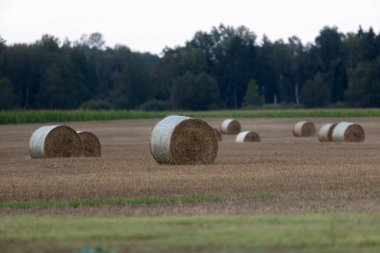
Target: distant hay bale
(218,135)
(348,132)
(304,129)
(325,132)
(183,140)
(230,126)
(248,136)
(55,141)
(90,143)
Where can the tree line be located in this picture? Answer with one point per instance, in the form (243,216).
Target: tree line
(225,68)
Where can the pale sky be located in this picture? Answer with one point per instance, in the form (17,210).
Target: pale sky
(150,25)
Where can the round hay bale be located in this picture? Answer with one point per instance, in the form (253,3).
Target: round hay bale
(90,143)
(248,136)
(183,140)
(348,132)
(218,135)
(230,126)
(55,141)
(304,129)
(325,132)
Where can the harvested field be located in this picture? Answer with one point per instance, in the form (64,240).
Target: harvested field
(300,175)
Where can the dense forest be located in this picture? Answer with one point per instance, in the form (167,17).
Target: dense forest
(226,68)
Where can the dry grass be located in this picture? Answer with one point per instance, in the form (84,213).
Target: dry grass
(305,175)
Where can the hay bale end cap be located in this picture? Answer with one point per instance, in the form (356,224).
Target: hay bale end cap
(248,136)
(55,141)
(348,132)
(230,126)
(91,144)
(304,129)
(183,140)
(325,132)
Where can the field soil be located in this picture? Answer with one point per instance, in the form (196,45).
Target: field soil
(301,175)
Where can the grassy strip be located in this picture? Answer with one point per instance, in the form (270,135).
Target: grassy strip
(289,113)
(20,117)
(43,116)
(144,201)
(299,233)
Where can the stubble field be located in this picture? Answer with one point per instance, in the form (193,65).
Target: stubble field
(281,175)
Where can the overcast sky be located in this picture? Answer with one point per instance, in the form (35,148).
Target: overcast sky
(150,25)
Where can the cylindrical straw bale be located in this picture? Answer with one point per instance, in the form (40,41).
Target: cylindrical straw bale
(248,136)
(91,144)
(55,141)
(348,132)
(325,132)
(304,129)
(183,140)
(218,135)
(230,126)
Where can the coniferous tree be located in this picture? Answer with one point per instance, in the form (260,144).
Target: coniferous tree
(252,96)
(315,93)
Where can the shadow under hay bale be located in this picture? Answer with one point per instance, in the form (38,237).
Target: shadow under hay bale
(348,132)
(183,140)
(248,136)
(304,129)
(55,141)
(230,126)
(91,144)
(325,132)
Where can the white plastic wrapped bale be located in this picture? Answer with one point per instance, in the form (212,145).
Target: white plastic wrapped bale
(230,126)
(183,140)
(325,132)
(348,132)
(304,129)
(248,136)
(55,141)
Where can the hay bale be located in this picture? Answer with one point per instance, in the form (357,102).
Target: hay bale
(248,136)
(55,141)
(230,126)
(325,132)
(218,135)
(304,129)
(348,132)
(183,140)
(90,143)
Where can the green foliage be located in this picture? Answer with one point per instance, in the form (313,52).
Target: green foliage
(233,58)
(52,92)
(364,85)
(49,74)
(95,104)
(338,233)
(174,64)
(132,84)
(195,92)
(21,117)
(96,249)
(94,40)
(190,199)
(315,93)
(329,42)
(359,82)
(49,43)
(155,105)
(252,96)
(8,97)
(120,101)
